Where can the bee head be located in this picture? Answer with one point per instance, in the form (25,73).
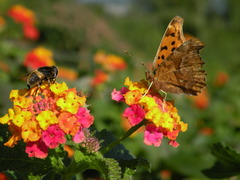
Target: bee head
(55,71)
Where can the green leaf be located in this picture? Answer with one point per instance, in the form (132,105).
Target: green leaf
(118,152)
(112,168)
(128,163)
(79,156)
(129,166)
(109,168)
(15,159)
(227,164)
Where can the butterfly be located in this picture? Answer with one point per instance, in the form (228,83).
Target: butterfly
(177,66)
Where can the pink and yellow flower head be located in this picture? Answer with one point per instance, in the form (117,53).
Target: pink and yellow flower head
(39,57)
(161,116)
(43,116)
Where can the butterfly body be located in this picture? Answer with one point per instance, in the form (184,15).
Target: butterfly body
(177,64)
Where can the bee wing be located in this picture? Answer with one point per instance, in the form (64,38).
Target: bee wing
(24,77)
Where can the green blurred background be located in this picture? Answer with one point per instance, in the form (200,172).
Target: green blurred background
(76,30)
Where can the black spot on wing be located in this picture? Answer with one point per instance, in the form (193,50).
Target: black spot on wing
(173,49)
(164,47)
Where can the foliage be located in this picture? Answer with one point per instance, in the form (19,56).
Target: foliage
(227,164)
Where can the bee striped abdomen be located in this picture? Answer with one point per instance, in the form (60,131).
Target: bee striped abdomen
(46,73)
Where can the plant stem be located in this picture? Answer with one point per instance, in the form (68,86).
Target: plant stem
(123,137)
(60,167)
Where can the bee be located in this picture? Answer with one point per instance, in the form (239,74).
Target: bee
(45,73)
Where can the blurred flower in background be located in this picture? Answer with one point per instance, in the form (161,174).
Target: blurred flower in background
(22,15)
(99,78)
(39,57)
(221,79)
(206,131)
(69,150)
(110,62)
(2,23)
(201,101)
(4,67)
(165,174)
(3,176)
(30,31)
(66,73)
(27,18)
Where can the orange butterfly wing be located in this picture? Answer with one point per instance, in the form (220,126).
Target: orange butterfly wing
(177,64)
(172,39)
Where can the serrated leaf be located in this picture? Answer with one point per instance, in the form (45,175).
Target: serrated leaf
(113,169)
(227,164)
(127,162)
(107,166)
(78,156)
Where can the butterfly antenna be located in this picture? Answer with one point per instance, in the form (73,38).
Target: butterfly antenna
(140,62)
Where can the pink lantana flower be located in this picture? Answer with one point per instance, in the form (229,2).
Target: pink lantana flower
(173,143)
(84,117)
(37,149)
(118,95)
(79,137)
(134,114)
(152,135)
(53,136)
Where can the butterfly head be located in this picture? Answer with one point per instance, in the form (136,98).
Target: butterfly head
(149,76)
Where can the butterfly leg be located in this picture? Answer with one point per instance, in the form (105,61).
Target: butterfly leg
(148,89)
(164,99)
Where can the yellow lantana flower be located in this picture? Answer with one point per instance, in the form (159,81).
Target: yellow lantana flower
(46,118)
(58,88)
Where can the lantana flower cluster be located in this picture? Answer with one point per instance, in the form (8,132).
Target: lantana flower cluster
(43,117)
(162,119)
(39,57)
(26,17)
(110,62)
